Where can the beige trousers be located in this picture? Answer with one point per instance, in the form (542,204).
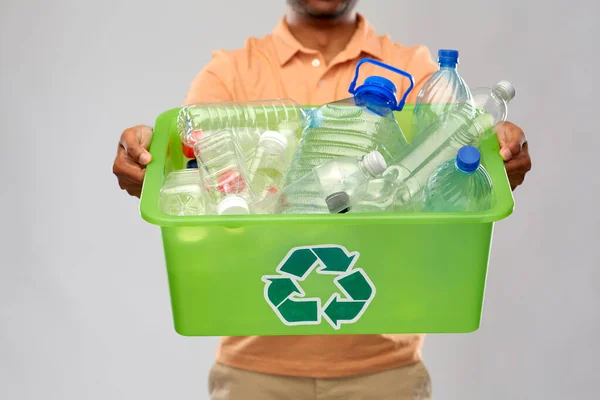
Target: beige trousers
(406,383)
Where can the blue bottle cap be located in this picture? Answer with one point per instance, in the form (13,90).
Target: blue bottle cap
(447,58)
(193,163)
(377,92)
(468,159)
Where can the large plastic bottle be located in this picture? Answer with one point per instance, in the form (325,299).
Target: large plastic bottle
(464,125)
(268,164)
(353,127)
(182,193)
(339,183)
(441,92)
(246,121)
(459,185)
(223,171)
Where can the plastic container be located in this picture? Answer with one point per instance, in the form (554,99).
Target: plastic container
(268,164)
(183,194)
(246,121)
(224,174)
(354,126)
(339,185)
(241,275)
(459,185)
(441,92)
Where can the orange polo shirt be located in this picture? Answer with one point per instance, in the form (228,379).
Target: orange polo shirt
(278,66)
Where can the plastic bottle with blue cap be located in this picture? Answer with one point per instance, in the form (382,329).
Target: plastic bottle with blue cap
(467,124)
(459,185)
(441,92)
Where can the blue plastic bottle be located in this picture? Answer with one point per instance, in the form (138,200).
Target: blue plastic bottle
(441,92)
(353,127)
(459,185)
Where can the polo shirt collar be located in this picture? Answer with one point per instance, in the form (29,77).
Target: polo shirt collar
(364,40)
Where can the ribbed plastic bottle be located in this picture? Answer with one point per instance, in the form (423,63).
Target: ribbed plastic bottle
(339,183)
(441,92)
(353,127)
(223,171)
(459,185)
(464,125)
(268,164)
(246,121)
(182,193)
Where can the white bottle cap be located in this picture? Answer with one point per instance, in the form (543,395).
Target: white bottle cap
(274,137)
(233,204)
(505,90)
(374,163)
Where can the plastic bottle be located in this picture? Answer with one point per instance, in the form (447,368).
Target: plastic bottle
(441,92)
(459,185)
(246,121)
(268,165)
(494,100)
(464,125)
(182,193)
(334,187)
(354,126)
(223,172)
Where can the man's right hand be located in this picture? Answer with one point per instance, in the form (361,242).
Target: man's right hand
(132,158)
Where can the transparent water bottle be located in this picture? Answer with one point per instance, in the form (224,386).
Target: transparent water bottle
(459,185)
(353,127)
(246,121)
(334,187)
(268,164)
(464,125)
(224,174)
(441,92)
(494,100)
(182,193)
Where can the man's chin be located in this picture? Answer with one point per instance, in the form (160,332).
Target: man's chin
(324,9)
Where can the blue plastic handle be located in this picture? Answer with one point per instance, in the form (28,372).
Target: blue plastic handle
(400,106)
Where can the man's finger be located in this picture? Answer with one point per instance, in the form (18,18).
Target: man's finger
(511,139)
(135,142)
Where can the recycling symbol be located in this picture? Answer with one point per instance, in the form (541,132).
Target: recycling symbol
(287,298)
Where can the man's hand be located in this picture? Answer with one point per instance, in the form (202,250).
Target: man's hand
(132,158)
(515,152)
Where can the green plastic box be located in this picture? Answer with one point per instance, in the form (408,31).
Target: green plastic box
(323,274)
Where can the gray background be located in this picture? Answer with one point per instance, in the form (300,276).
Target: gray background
(84,305)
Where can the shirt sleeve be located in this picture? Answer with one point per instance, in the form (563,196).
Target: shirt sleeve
(214,82)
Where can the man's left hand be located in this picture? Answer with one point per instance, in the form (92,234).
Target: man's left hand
(514,151)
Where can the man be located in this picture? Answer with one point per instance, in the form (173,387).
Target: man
(311,58)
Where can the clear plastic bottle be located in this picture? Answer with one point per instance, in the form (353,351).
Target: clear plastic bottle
(246,121)
(353,127)
(268,164)
(182,193)
(441,92)
(334,187)
(494,100)
(464,125)
(459,185)
(224,174)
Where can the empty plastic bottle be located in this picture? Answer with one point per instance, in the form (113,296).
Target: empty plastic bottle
(464,125)
(182,193)
(353,127)
(246,121)
(339,184)
(268,164)
(459,185)
(225,177)
(441,92)
(494,100)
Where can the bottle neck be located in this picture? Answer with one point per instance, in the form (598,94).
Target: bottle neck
(448,66)
(362,167)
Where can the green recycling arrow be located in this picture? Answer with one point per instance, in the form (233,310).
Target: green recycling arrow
(286,297)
